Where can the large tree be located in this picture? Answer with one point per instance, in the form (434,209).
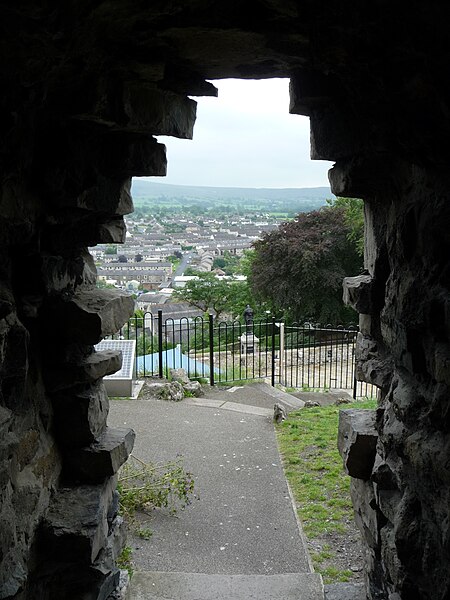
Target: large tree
(298,268)
(217,295)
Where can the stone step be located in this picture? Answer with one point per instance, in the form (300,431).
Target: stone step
(158,585)
(287,401)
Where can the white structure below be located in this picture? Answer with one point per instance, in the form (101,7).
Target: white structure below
(122,383)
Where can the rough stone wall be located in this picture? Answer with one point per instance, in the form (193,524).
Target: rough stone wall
(60,532)
(85,85)
(402,499)
(69,148)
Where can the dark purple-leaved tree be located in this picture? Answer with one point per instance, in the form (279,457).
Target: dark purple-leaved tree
(298,268)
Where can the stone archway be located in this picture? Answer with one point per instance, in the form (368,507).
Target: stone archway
(85,86)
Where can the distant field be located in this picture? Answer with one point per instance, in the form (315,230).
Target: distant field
(277,202)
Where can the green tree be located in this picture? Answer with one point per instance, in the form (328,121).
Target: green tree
(101,284)
(209,293)
(354,219)
(228,263)
(148,344)
(246,262)
(219,262)
(298,268)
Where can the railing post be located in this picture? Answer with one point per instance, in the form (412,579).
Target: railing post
(211,350)
(160,344)
(355,383)
(273,353)
(281,358)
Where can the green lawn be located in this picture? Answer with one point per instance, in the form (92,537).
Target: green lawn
(313,467)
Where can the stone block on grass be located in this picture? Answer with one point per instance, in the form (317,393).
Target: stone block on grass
(357,440)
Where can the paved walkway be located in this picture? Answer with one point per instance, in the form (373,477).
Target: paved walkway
(243,522)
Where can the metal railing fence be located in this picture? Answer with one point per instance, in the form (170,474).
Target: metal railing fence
(302,356)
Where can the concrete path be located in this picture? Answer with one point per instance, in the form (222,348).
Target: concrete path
(243,522)
(196,586)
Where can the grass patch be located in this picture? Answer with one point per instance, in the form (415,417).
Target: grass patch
(321,488)
(124,560)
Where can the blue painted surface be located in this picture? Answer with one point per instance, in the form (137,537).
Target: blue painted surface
(172,359)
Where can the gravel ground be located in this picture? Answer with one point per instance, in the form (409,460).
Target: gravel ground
(347,552)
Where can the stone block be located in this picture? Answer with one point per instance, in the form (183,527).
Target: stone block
(159,112)
(13,569)
(358,293)
(172,390)
(89,370)
(79,232)
(113,231)
(333,134)
(75,526)
(5,419)
(113,509)
(80,417)
(100,459)
(95,196)
(60,273)
(114,546)
(6,300)
(107,195)
(363,176)
(194,388)
(370,366)
(14,341)
(365,511)
(357,440)
(365,325)
(74,581)
(441,363)
(309,89)
(90,314)
(179,375)
(187,83)
(132,155)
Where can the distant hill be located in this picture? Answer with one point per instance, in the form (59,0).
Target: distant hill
(142,189)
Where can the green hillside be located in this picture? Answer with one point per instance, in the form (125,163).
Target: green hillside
(293,199)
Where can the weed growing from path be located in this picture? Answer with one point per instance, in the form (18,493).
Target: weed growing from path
(321,488)
(124,560)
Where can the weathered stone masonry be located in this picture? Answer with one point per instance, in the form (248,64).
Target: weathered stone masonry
(84,88)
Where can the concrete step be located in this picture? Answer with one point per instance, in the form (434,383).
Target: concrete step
(158,585)
(345,591)
(286,400)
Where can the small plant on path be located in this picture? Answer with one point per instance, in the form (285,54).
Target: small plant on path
(146,486)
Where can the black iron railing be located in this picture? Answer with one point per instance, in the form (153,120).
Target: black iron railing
(301,356)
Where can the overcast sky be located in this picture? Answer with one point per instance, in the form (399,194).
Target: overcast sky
(245,138)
